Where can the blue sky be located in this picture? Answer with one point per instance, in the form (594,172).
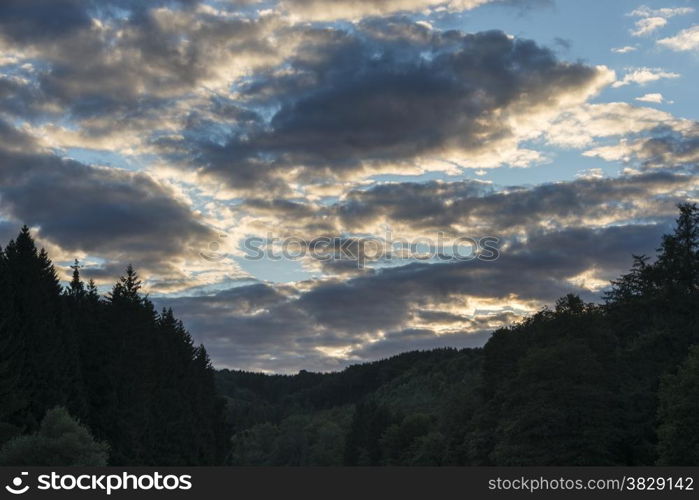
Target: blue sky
(167,135)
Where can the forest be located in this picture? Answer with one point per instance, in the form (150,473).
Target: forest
(91,380)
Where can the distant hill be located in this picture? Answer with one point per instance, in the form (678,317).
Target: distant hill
(269,412)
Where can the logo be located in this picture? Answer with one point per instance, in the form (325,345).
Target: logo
(214,254)
(16,487)
(107,483)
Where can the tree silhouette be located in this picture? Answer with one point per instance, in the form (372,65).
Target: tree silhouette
(131,375)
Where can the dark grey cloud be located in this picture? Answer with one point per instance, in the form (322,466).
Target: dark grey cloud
(477,209)
(8,231)
(19,97)
(389,92)
(386,92)
(93,209)
(667,147)
(108,212)
(101,56)
(442,206)
(29,20)
(127,58)
(537,268)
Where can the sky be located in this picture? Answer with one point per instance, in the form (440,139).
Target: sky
(313,184)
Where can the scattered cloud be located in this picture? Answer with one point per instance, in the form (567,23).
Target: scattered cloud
(648,25)
(624,50)
(673,145)
(685,40)
(645,11)
(641,76)
(592,173)
(654,19)
(656,98)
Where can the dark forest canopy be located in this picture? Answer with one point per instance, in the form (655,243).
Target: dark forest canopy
(128,373)
(615,383)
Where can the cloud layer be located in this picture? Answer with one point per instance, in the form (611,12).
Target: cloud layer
(168,133)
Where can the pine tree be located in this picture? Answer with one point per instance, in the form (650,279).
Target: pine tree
(76,288)
(679,253)
(133,376)
(47,373)
(127,288)
(12,399)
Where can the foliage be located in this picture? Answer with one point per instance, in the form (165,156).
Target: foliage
(130,374)
(679,414)
(60,440)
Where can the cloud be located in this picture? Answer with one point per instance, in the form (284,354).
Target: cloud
(641,137)
(443,211)
(468,208)
(645,11)
(110,213)
(654,19)
(555,238)
(22,20)
(122,60)
(624,50)
(685,40)
(648,25)
(642,76)
(656,98)
(591,173)
(391,96)
(457,207)
(320,10)
(675,145)
(31,21)
(582,126)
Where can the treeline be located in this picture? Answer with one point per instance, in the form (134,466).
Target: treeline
(128,374)
(89,380)
(615,383)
